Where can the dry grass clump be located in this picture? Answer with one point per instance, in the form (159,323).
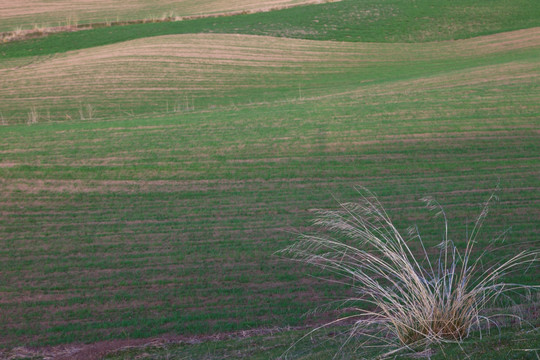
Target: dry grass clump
(415,300)
(33,116)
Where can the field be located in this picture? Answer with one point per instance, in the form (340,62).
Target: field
(26,14)
(147,182)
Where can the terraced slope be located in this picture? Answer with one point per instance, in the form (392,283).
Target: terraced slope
(168,222)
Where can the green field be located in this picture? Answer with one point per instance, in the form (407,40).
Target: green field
(149,173)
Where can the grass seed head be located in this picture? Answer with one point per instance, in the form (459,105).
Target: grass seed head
(418,300)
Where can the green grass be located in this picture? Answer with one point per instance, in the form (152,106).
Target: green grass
(143,226)
(510,344)
(137,226)
(347,20)
(321,345)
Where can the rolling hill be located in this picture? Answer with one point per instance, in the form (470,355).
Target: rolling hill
(146,183)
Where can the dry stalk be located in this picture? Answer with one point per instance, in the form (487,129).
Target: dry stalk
(415,301)
(33,116)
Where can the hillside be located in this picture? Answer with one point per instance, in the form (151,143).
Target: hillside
(179,73)
(147,183)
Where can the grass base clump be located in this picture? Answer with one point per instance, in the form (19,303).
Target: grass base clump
(415,301)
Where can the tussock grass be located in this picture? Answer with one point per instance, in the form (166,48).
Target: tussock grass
(416,299)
